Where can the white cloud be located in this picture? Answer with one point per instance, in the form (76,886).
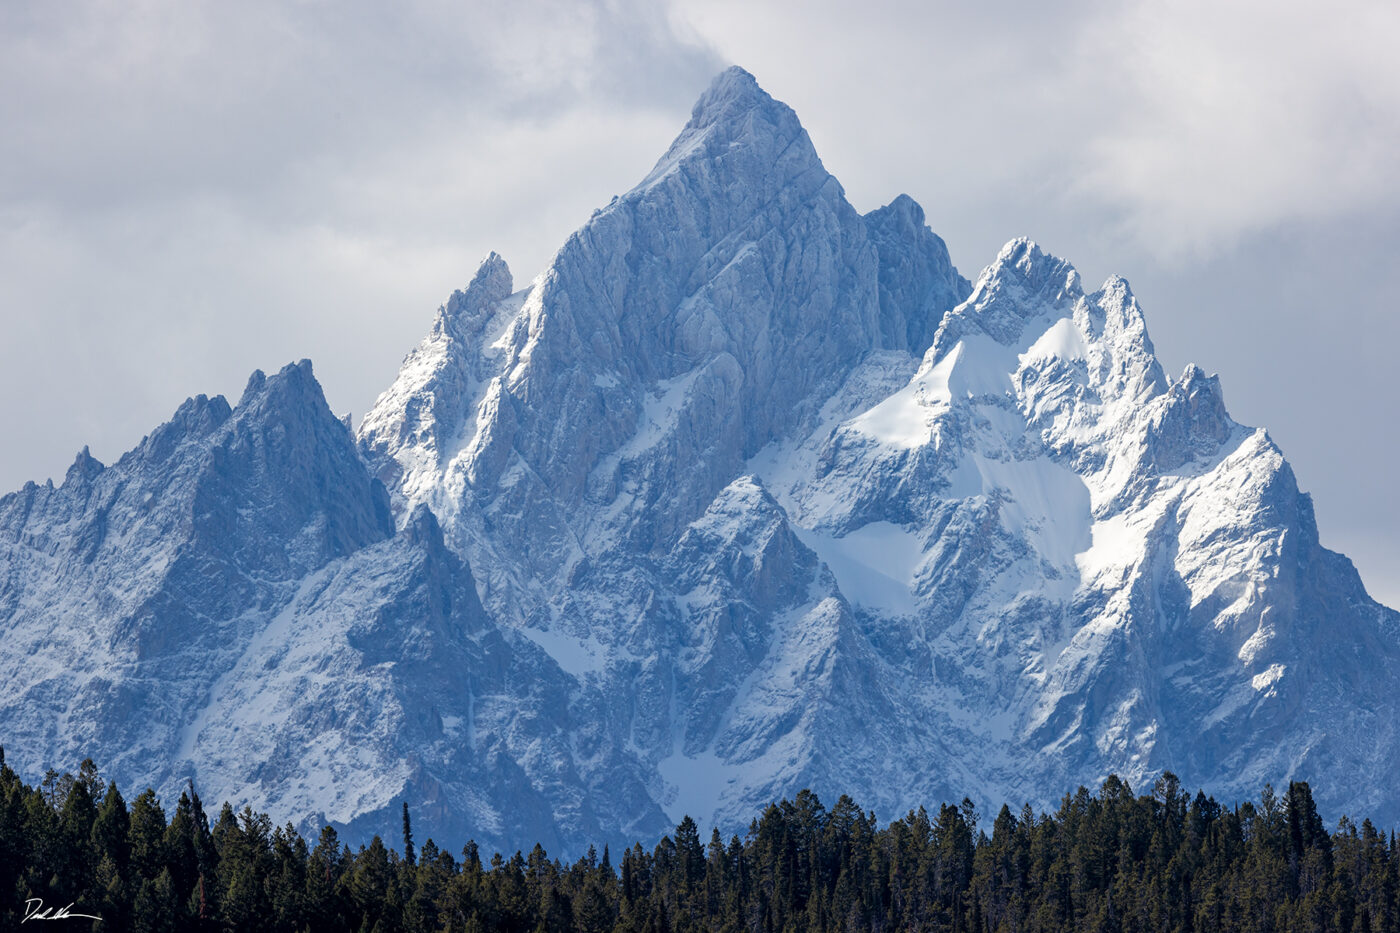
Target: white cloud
(1221,119)
(119,104)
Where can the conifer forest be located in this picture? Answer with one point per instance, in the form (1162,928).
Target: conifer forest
(73,849)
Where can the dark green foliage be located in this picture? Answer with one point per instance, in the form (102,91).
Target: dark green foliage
(1111,862)
(408,855)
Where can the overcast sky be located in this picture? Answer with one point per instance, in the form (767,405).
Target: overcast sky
(190,191)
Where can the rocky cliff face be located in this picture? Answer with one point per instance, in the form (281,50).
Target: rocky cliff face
(746,492)
(231,603)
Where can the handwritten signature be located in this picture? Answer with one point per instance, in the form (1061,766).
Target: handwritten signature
(34,909)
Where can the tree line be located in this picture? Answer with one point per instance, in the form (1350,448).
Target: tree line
(1105,861)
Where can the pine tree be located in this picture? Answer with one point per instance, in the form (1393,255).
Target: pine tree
(75,864)
(155,909)
(147,836)
(111,828)
(370,880)
(323,907)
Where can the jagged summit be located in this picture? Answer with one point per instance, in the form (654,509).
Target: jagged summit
(740,133)
(735,106)
(84,467)
(746,492)
(1023,289)
(731,87)
(492,283)
(294,379)
(1032,274)
(917,279)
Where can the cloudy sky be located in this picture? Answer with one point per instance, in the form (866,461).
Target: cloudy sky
(191,190)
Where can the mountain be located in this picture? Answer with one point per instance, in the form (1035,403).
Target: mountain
(231,603)
(746,492)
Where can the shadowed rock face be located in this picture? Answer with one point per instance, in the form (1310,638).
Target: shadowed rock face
(747,492)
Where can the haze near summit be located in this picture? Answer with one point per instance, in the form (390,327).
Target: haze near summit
(197,191)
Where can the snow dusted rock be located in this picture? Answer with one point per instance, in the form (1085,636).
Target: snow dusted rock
(733,410)
(746,492)
(123,586)
(1102,540)
(418,423)
(700,316)
(917,279)
(230,603)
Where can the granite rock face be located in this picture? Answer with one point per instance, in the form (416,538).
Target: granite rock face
(746,492)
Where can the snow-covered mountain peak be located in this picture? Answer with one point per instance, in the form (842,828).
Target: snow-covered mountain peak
(293,384)
(428,416)
(1195,383)
(1118,313)
(736,273)
(1022,262)
(733,89)
(1023,288)
(84,468)
(1028,316)
(917,280)
(1115,319)
(468,307)
(735,109)
(737,131)
(1190,422)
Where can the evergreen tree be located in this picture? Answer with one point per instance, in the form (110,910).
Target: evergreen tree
(147,836)
(408,854)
